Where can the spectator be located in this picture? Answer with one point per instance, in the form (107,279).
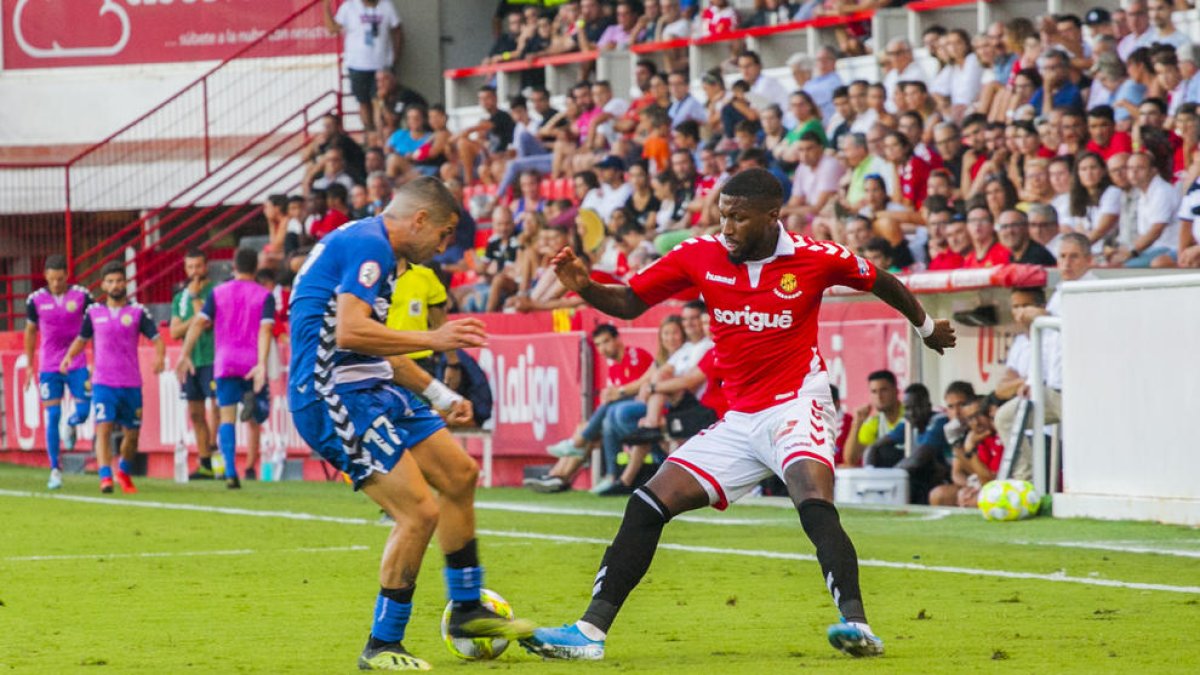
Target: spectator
(1163,28)
(1035,190)
(647,23)
(379,192)
(626,370)
(958,247)
(765,87)
(824,81)
(815,183)
(497,267)
(901,67)
(774,134)
(1157,225)
(1138,21)
(684,106)
(1189,227)
(1027,305)
(672,215)
(1058,91)
(530,199)
(613,190)
(807,119)
(1014,236)
(333,135)
(878,252)
(1170,79)
(858,165)
(986,250)
(865,118)
(770,13)
(1074,264)
(492,134)
(409,142)
(912,172)
(958,84)
(876,419)
(948,142)
(926,460)
(374,37)
(359,203)
(976,459)
(1105,139)
(594,25)
(529,137)
(1044,228)
(999,195)
(717,18)
(332,172)
(392,99)
(622,33)
(506,47)
(338,214)
(1093,204)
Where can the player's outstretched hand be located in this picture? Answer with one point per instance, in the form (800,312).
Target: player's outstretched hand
(942,337)
(570,270)
(458,334)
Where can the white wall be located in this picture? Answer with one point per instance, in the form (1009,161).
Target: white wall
(1131,367)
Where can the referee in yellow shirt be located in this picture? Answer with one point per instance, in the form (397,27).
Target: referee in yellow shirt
(419,303)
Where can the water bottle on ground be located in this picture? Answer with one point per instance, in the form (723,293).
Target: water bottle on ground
(181,462)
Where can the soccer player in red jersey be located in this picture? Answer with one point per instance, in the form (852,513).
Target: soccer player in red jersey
(763,286)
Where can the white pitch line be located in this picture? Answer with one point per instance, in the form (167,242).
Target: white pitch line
(1116,548)
(181,554)
(1056,577)
(600,513)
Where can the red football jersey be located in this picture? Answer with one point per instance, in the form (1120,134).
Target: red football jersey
(996,256)
(764,313)
(991,451)
(632,366)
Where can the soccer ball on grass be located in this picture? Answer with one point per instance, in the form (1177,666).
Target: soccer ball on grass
(1009,500)
(477,649)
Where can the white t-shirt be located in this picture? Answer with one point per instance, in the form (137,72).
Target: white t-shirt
(1020,355)
(677,30)
(687,357)
(811,182)
(966,81)
(615,107)
(770,89)
(368,32)
(1110,204)
(1159,204)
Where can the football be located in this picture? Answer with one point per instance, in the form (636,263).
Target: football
(478,649)
(1009,500)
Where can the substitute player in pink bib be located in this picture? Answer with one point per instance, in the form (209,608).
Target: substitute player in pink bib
(241,313)
(116,377)
(763,287)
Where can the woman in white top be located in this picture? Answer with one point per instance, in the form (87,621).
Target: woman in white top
(958,84)
(1092,206)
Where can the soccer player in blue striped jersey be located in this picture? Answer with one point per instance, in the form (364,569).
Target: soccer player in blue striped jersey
(349,392)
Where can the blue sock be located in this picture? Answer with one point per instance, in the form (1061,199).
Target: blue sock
(106,473)
(53,418)
(82,406)
(123,467)
(227,440)
(464,576)
(393,607)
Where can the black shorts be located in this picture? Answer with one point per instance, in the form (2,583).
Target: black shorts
(199,386)
(362,85)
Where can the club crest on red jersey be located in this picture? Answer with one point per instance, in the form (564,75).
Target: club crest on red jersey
(787,287)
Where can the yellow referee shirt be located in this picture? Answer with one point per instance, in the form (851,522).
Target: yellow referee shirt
(416,290)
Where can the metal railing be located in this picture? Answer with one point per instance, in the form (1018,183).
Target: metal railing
(191,166)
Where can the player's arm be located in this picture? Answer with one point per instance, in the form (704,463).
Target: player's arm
(456,409)
(358,331)
(195,326)
(612,299)
(938,335)
(77,346)
(330,23)
(31,334)
(148,328)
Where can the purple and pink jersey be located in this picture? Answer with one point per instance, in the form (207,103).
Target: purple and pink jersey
(237,309)
(58,319)
(115,330)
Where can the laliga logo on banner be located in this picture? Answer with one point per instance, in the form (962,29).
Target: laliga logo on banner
(522,393)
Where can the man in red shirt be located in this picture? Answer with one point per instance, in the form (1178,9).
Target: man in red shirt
(763,288)
(986,250)
(976,459)
(627,369)
(337,198)
(1106,141)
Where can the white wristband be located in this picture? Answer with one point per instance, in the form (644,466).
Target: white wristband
(441,396)
(925,329)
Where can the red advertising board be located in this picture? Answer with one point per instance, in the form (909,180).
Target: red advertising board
(54,33)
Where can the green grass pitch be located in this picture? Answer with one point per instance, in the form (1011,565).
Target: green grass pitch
(281,577)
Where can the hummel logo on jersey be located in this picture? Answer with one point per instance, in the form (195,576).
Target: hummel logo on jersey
(755,321)
(720,279)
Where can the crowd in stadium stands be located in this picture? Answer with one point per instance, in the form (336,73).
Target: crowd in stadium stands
(1057,139)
